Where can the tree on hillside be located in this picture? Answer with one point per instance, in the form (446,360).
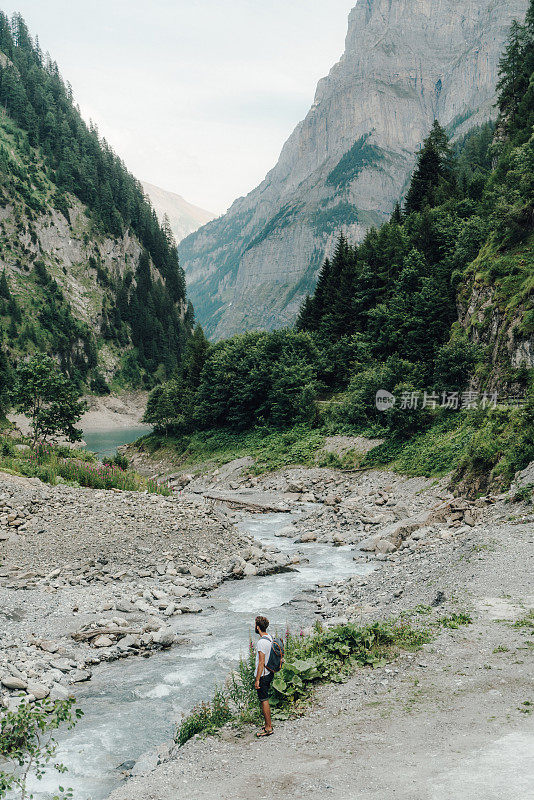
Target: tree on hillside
(312,312)
(515,88)
(5,294)
(434,177)
(195,354)
(6,377)
(338,316)
(49,399)
(513,80)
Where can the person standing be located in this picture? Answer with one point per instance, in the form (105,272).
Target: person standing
(264,677)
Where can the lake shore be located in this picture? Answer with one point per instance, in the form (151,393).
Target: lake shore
(104,413)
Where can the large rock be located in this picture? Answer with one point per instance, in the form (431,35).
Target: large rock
(308,536)
(39,690)
(196,572)
(102,641)
(10,682)
(345,166)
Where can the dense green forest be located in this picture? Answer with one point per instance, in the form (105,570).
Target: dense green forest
(49,158)
(384,314)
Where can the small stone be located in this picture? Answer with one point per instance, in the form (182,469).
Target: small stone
(38,690)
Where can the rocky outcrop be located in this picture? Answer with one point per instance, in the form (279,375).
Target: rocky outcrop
(406,63)
(498,319)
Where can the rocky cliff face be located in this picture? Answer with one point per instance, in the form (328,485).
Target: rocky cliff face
(406,63)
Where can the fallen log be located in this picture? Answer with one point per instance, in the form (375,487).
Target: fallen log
(246,504)
(92,633)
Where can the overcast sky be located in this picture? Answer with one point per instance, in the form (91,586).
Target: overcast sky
(196,96)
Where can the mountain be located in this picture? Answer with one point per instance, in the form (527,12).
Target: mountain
(345,166)
(184,217)
(88,274)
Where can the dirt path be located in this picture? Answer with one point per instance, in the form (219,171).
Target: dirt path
(452,722)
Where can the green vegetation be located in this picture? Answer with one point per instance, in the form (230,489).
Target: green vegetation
(28,746)
(360,156)
(49,160)
(48,398)
(325,655)
(270,448)
(384,316)
(61,464)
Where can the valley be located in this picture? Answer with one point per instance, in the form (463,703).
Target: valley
(318,406)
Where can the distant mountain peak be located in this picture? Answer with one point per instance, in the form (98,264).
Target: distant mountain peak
(185,218)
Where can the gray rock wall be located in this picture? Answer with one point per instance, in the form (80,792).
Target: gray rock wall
(406,62)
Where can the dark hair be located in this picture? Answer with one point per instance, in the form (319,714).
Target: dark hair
(262,623)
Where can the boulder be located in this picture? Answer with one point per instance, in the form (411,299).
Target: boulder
(58,692)
(309,536)
(38,690)
(196,572)
(384,546)
(191,607)
(10,682)
(164,637)
(102,641)
(250,570)
(294,486)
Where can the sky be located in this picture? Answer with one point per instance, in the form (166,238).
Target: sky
(197,96)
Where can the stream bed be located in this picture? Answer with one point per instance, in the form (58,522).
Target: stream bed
(132,706)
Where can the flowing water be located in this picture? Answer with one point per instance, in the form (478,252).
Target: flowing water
(132,706)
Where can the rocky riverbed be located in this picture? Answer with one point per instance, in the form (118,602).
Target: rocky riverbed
(89,576)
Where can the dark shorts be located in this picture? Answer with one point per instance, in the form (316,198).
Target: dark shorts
(265,685)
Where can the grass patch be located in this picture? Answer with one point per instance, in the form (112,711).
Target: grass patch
(325,655)
(484,448)
(454,620)
(271,449)
(525,622)
(74,467)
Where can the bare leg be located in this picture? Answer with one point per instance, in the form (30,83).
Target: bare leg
(266,711)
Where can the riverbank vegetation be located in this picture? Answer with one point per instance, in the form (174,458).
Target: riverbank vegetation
(324,655)
(28,744)
(62,464)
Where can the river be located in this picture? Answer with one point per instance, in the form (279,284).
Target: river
(132,706)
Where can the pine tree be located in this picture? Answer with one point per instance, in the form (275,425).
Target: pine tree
(434,178)
(305,320)
(4,287)
(512,78)
(396,217)
(195,355)
(313,314)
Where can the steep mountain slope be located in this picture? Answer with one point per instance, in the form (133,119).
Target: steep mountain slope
(184,218)
(406,63)
(87,272)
